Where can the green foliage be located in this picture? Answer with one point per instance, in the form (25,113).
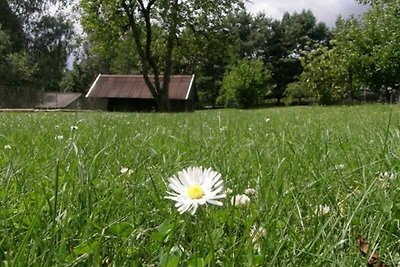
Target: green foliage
(12,26)
(362,55)
(285,42)
(16,74)
(156,29)
(78,79)
(245,85)
(202,46)
(4,42)
(297,90)
(49,48)
(380,39)
(326,76)
(207,54)
(33,50)
(15,67)
(375,2)
(18,65)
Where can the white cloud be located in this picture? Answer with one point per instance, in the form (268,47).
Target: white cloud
(326,11)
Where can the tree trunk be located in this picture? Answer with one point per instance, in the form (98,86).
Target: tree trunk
(163,102)
(158,89)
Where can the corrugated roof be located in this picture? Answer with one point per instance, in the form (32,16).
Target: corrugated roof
(57,100)
(134,86)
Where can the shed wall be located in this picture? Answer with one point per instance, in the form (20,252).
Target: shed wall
(146,105)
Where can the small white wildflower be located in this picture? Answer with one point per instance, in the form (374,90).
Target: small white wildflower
(387,176)
(341,207)
(322,210)
(222,129)
(177,249)
(195,186)
(57,126)
(240,200)
(267,120)
(339,167)
(228,191)
(59,137)
(7,147)
(74,127)
(256,234)
(140,233)
(125,170)
(250,191)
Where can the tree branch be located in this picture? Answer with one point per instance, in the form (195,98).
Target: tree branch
(149,37)
(170,46)
(129,10)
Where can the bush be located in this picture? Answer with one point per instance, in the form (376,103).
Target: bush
(245,85)
(297,91)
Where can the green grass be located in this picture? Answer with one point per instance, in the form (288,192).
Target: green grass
(65,202)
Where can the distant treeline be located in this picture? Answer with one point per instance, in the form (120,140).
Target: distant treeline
(239,59)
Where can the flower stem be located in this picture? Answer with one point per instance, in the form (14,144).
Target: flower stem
(208,231)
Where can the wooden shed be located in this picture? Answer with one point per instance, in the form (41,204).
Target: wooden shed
(130,93)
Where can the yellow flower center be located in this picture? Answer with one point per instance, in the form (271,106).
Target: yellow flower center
(195,191)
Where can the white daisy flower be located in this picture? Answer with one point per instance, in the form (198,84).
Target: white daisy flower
(73,127)
(7,147)
(195,186)
(240,200)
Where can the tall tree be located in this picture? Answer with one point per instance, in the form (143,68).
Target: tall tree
(278,43)
(38,46)
(49,47)
(207,53)
(12,26)
(363,54)
(16,73)
(295,35)
(155,27)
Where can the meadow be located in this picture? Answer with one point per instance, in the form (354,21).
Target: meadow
(88,189)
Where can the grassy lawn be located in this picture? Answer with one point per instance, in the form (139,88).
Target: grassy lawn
(316,172)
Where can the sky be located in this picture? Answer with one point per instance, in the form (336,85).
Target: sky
(325,10)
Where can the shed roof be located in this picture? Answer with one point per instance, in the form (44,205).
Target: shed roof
(134,86)
(57,100)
